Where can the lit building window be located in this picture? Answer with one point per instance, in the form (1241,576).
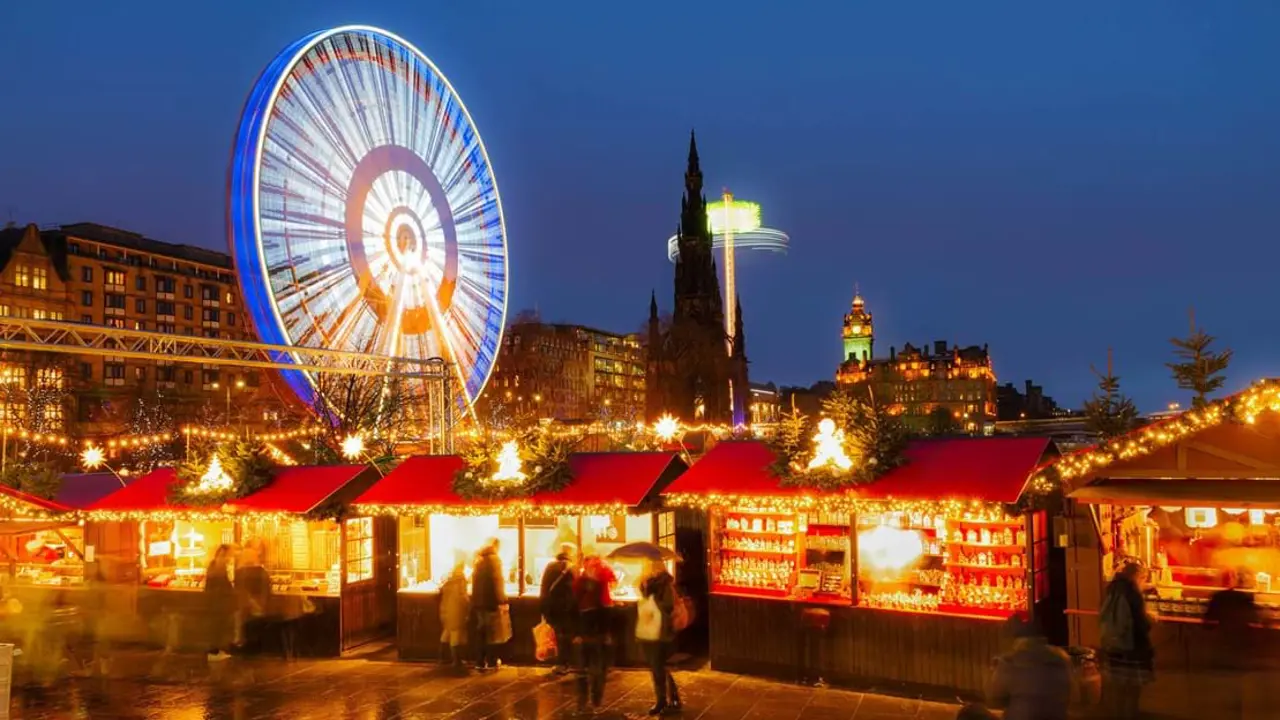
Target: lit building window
(40,278)
(22,276)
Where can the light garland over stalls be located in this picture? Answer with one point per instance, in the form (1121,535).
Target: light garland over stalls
(194,431)
(522,509)
(10,505)
(1243,407)
(837,503)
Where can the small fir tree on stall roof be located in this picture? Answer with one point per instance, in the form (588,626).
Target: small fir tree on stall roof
(879,434)
(1109,412)
(1199,370)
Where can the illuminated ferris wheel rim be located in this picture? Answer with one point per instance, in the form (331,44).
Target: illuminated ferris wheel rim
(253,127)
(766,239)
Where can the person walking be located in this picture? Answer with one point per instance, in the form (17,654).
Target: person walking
(455,608)
(1126,644)
(557,604)
(657,634)
(220,604)
(594,604)
(1034,680)
(253,592)
(488,600)
(1232,651)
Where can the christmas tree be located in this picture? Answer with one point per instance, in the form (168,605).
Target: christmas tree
(1108,412)
(1199,370)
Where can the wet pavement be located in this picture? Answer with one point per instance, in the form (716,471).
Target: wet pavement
(186,688)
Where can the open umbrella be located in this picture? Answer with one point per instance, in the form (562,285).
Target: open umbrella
(644,551)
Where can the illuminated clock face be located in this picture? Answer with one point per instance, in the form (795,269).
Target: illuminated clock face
(364,213)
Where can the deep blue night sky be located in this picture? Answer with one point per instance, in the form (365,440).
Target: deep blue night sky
(1049,180)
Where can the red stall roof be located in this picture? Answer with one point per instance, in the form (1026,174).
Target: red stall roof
(606,478)
(297,490)
(419,480)
(984,469)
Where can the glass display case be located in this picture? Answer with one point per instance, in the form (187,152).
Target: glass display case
(48,556)
(431,546)
(976,561)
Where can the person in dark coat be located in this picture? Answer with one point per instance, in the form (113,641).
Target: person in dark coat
(661,587)
(1128,652)
(253,594)
(219,604)
(1232,613)
(557,604)
(591,629)
(1034,680)
(488,596)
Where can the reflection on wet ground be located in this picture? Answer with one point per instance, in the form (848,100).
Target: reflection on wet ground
(186,688)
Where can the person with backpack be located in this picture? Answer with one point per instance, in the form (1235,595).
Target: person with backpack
(656,632)
(1126,644)
(557,604)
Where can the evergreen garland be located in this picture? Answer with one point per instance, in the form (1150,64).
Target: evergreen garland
(247,463)
(873,439)
(544,458)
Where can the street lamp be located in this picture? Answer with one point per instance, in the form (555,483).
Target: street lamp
(239,386)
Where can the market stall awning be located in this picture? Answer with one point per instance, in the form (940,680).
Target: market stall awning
(1196,493)
(418,480)
(980,469)
(149,492)
(992,469)
(295,490)
(615,478)
(20,503)
(302,488)
(731,467)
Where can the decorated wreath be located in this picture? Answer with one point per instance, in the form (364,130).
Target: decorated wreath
(517,466)
(855,443)
(231,472)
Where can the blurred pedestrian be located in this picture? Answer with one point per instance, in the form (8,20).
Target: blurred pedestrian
(1034,680)
(219,604)
(1126,644)
(1232,613)
(489,602)
(594,603)
(557,604)
(656,632)
(253,595)
(455,610)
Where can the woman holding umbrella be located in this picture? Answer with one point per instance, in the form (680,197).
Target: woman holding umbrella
(655,627)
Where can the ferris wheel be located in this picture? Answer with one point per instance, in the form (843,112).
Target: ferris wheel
(363,212)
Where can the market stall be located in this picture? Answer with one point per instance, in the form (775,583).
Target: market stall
(41,546)
(905,579)
(333,577)
(1195,500)
(609,502)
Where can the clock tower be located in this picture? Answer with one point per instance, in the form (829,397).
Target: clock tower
(859,333)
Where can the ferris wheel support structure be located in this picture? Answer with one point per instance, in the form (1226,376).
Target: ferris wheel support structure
(48,336)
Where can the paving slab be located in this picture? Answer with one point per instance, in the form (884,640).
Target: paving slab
(145,687)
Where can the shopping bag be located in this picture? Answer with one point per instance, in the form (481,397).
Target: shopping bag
(648,620)
(682,613)
(501,626)
(544,642)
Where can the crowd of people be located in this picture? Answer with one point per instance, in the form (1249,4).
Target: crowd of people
(576,602)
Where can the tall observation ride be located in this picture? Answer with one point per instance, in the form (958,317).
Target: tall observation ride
(363,211)
(735,225)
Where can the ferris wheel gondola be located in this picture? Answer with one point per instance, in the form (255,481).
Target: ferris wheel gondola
(363,212)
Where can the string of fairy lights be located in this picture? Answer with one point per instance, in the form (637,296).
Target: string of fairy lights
(1243,407)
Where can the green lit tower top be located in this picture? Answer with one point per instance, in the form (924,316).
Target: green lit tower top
(859,334)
